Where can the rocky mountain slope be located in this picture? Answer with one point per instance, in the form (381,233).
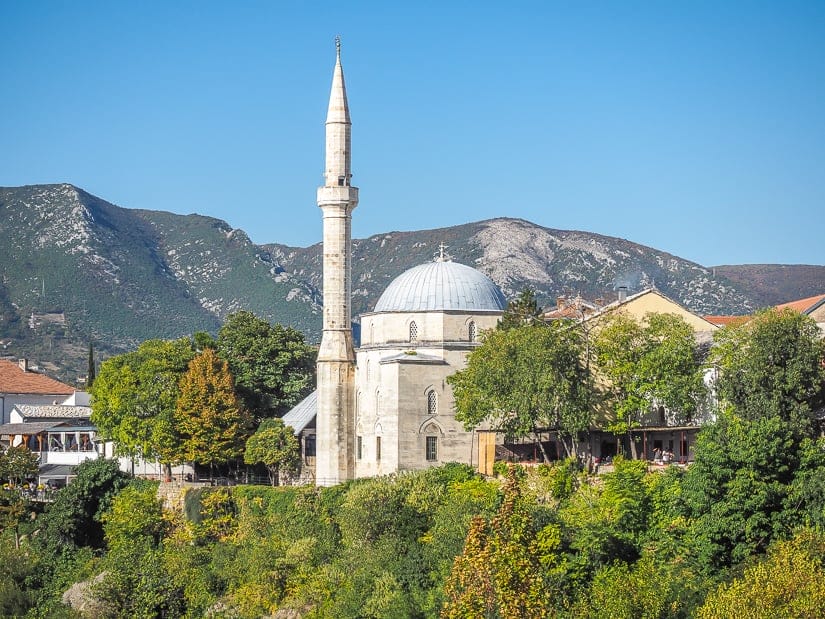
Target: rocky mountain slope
(74,267)
(772,284)
(516,253)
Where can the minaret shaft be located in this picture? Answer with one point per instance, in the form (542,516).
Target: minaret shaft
(335,421)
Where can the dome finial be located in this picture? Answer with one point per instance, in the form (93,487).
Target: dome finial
(338,45)
(443,256)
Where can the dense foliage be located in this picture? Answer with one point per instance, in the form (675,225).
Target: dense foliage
(135,395)
(741,532)
(645,364)
(544,542)
(209,420)
(526,378)
(275,446)
(272,366)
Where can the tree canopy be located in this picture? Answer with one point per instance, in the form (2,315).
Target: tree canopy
(272,365)
(524,379)
(772,365)
(134,398)
(274,445)
(17,464)
(523,310)
(209,420)
(646,364)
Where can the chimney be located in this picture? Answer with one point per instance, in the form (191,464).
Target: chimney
(560,301)
(24,364)
(622,294)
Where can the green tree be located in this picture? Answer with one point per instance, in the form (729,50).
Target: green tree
(772,365)
(203,340)
(273,367)
(91,372)
(788,583)
(135,512)
(209,420)
(135,583)
(17,464)
(274,445)
(135,395)
(75,517)
(525,379)
(647,364)
(499,573)
(735,491)
(523,310)
(13,507)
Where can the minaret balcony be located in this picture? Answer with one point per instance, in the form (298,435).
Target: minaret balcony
(337,195)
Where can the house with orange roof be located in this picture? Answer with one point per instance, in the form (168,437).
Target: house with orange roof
(724,321)
(810,306)
(20,385)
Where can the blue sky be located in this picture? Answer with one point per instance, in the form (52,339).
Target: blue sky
(696,128)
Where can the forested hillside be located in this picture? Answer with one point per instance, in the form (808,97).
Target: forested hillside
(77,268)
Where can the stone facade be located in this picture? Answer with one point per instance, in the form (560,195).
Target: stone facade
(336,357)
(393,410)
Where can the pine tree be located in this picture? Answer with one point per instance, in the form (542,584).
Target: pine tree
(523,310)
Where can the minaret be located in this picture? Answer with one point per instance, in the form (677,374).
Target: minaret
(335,460)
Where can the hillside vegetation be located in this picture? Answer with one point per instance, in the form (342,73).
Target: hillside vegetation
(75,268)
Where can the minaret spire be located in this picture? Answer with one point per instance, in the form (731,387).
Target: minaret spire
(335,461)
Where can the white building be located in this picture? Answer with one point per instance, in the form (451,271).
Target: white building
(386,406)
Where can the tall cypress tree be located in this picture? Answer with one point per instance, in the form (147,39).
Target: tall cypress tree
(90,375)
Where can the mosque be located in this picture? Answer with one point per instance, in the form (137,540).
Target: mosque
(386,406)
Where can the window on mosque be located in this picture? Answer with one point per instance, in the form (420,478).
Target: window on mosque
(473,331)
(413,332)
(432,448)
(309,446)
(378,449)
(359,448)
(432,402)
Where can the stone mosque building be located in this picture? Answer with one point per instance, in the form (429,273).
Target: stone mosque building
(386,406)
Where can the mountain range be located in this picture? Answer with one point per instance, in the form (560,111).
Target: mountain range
(75,268)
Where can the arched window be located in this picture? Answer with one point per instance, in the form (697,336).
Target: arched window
(472,331)
(413,332)
(369,375)
(431,449)
(377,403)
(372,333)
(432,402)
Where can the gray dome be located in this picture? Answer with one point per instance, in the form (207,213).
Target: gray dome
(441,286)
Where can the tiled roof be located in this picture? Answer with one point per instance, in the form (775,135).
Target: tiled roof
(723,321)
(804,305)
(573,309)
(55,411)
(15,380)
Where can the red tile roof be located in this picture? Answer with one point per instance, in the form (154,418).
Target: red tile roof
(723,321)
(15,380)
(803,305)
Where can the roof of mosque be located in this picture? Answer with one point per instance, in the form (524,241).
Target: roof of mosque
(441,285)
(303,413)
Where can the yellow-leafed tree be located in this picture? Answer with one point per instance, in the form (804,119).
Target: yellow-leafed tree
(210,420)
